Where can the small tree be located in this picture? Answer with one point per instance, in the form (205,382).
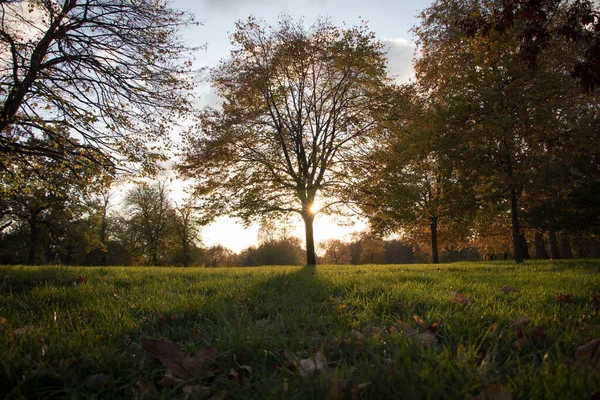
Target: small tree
(152,212)
(296,108)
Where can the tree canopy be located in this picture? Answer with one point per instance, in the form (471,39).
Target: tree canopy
(100,80)
(297,110)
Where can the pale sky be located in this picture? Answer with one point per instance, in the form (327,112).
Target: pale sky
(390,20)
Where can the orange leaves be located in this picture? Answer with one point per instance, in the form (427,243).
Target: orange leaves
(174,359)
(82,279)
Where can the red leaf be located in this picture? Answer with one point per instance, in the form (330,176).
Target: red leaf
(174,359)
(82,279)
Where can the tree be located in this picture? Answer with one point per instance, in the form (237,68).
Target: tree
(187,229)
(296,109)
(100,80)
(409,184)
(152,212)
(47,203)
(501,116)
(336,252)
(537,24)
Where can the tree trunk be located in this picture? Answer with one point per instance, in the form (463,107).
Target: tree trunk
(33,237)
(311,257)
(540,247)
(565,245)
(526,255)
(435,259)
(103,256)
(518,250)
(554,253)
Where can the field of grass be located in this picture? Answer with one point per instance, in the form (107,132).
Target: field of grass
(330,332)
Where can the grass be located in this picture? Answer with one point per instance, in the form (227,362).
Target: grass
(57,334)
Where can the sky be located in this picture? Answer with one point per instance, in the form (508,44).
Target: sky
(390,20)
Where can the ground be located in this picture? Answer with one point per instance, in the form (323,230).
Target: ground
(455,331)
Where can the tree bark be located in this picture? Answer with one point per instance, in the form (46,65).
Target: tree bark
(435,259)
(33,237)
(540,247)
(518,250)
(311,257)
(565,246)
(554,253)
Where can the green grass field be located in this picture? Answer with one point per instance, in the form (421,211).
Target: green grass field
(329,332)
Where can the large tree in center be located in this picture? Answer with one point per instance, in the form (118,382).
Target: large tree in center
(296,109)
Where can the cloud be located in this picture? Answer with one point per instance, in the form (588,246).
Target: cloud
(400,55)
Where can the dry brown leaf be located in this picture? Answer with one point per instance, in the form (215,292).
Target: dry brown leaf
(462,298)
(174,359)
(426,338)
(195,392)
(361,391)
(589,351)
(317,363)
(169,380)
(495,391)
(3,321)
(420,321)
(564,298)
(145,388)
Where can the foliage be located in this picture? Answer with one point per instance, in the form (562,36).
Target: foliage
(296,111)
(99,80)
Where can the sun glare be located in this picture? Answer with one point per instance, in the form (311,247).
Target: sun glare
(315,208)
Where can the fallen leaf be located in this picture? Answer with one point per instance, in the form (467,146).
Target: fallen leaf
(3,321)
(169,379)
(564,298)
(507,289)
(82,279)
(361,391)
(495,391)
(145,388)
(420,321)
(426,338)
(97,382)
(461,298)
(195,392)
(596,300)
(316,363)
(534,335)
(27,330)
(589,351)
(174,359)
